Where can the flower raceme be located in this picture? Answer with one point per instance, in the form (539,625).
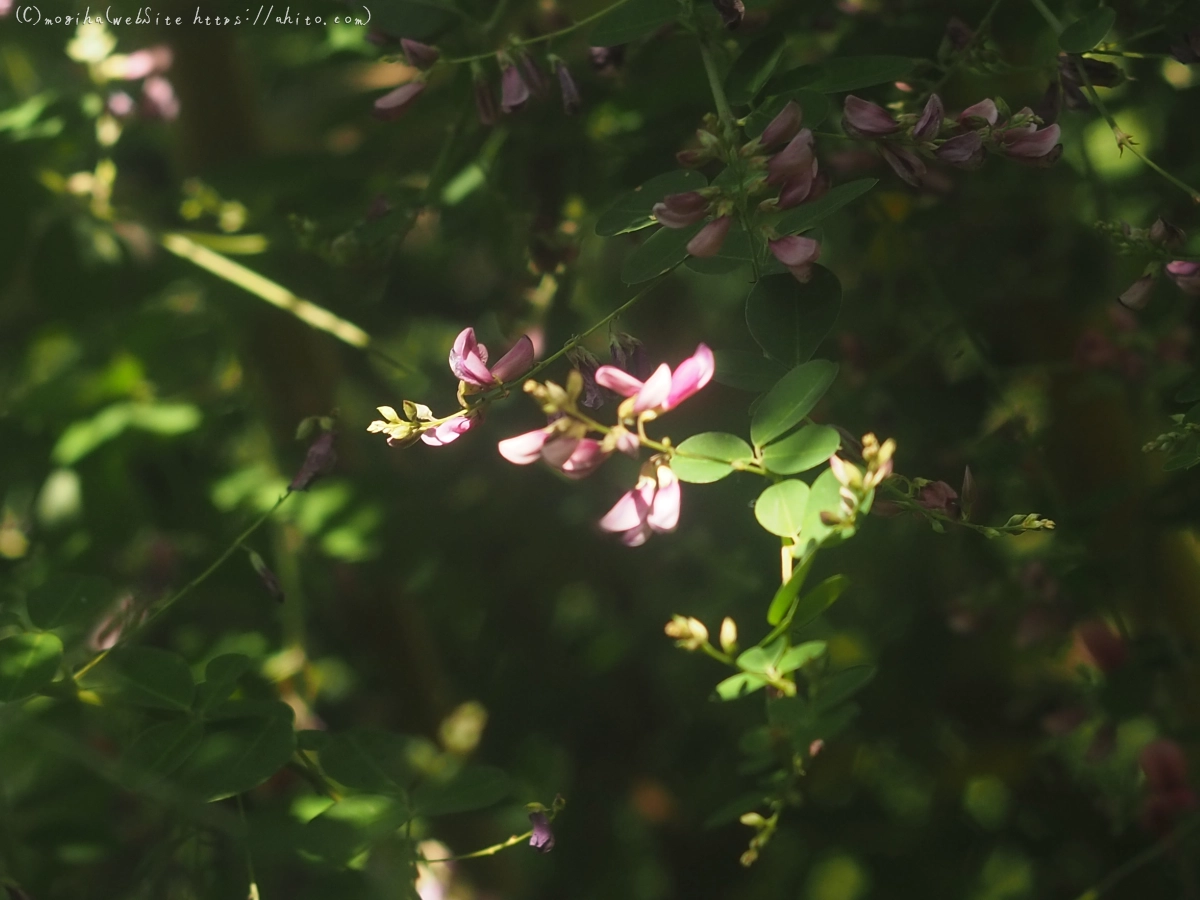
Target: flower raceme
(663,390)
(468,361)
(652,505)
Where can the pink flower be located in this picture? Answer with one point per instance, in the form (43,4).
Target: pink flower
(419,55)
(393,104)
(784,126)
(468,360)
(796,157)
(984,109)
(574,457)
(1186,275)
(652,505)
(1028,142)
(708,240)
(664,389)
(797,253)
(799,188)
(449,431)
(681,210)
(513,89)
(861,118)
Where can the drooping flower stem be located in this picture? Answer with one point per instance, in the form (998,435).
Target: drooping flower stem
(486,851)
(541,38)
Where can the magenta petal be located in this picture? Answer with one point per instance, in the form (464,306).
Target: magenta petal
(448,432)
(1030,144)
(692,374)
(784,126)
(617,380)
(796,190)
(588,457)
(635,537)
(516,361)
(468,359)
(664,510)
(524,448)
(861,118)
(670,218)
(708,240)
(930,123)
(628,443)
(984,109)
(393,104)
(559,450)
(792,159)
(795,250)
(965,150)
(654,392)
(631,510)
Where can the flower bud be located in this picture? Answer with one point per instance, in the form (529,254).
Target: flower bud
(784,126)
(681,210)
(799,188)
(270,582)
(930,124)
(904,163)
(797,253)
(393,104)
(485,100)
(729,635)
(979,114)
(708,240)
(861,118)
(1164,764)
(731,11)
(319,459)
(542,838)
(629,354)
(968,492)
(794,159)
(1137,295)
(964,151)
(419,55)
(607,60)
(533,75)
(1167,235)
(513,89)
(689,633)
(566,84)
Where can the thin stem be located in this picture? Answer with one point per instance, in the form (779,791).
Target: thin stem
(486,851)
(191,585)
(317,777)
(717,654)
(714,83)
(586,20)
(249,859)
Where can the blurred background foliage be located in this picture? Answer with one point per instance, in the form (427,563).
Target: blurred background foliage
(150,405)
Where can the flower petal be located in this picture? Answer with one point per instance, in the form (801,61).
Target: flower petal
(468,359)
(655,391)
(691,375)
(524,448)
(617,380)
(664,510)
(516,361)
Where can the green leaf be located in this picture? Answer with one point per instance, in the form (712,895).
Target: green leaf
(420,19)
(746,371)
(633,20)
(825,497)
(475,787)
(841,686)
(780,508)
(1084,34)
(664,250)
(239,753)
(789,320)
(739,685)
(163,748)
(799,656)
(793,398)
(736,252)
(723,450)
(819,599)
(804,450)
(351,825)
(369,760)
(631,210)
(752,69)
(220,679)
(68,600)
(788,591)
(806,215)
(814,108)
(844,73)
(148,676)
(82,437)
(28,662)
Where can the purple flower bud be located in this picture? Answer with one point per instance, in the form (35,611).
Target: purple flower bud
(792,160)
(629,355)
(968,492)
(798,188)
(270,582)
(708,240)
(1187,48)
(784,126)
(797,253)
(319,460)
(485,100)
(693,158)
(542,839)
(587,364)
(964,151)
(513,89)
(533,75)
(930,124)
(681,210)
(982,113)
(120,105)
(1049,108)
(1030,144)
(959,33)
(1167,235)
(1186,275)
(863,119)
(939,497)
(1137,295)
(904,163)
(607,60)
(422,56)
(570,91)
(393,104)
(731,11)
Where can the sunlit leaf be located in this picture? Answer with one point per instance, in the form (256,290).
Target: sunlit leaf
(722,449)
(791,400)
(28,662)
(804,450)
(780,508)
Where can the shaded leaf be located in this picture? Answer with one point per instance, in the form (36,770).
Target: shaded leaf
(241,752)
(631,210)
(633,20)
(844,73)
(147,676)
(369,760)
(752,69)
(806,215)
(69,600)
(789,320)
(736,252)
(1085,33)
(164,747)
(739,685)
(746,371)
(472,788)
(819,599)
(419,19)
(28,662)
(664,250)
(220,678)
(840,686)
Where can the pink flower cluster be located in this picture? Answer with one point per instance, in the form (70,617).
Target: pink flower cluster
(566,443)
(959,141)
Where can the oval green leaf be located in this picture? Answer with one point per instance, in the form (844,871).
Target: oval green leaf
(780,508)
(807,215)
(369,760)
(788,591)
(791,400)
(28,662)
(819,599)
(751,70)
(664,250)
(789,319)
(632,20)
(68,600)
(475,787)
(800,655)
(720,448)
(841,686)
(220,678)
(238,754)
(163,748)
(746,371)
(632,210)
(825,497)
(804,450)
(1084,34)
(148,676)
(739,685)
